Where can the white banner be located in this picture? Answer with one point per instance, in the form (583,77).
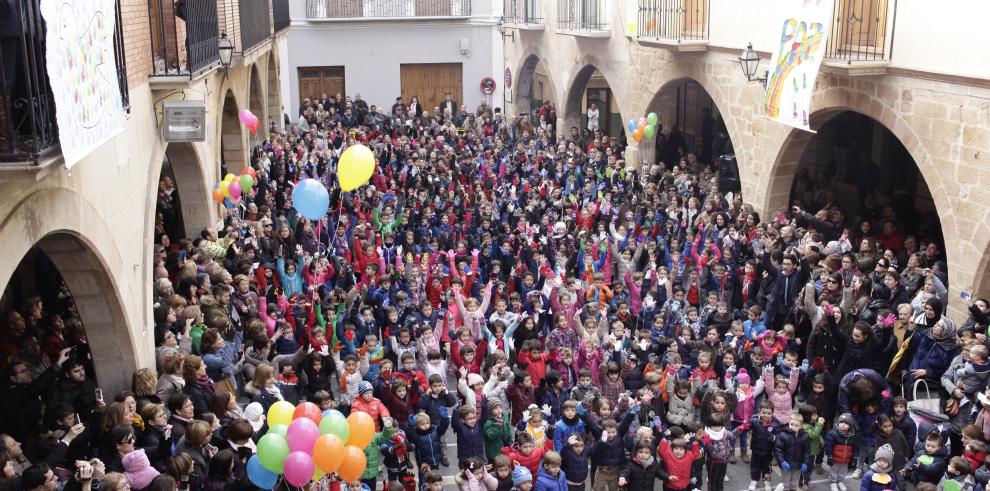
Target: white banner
(83,74)
(798,50)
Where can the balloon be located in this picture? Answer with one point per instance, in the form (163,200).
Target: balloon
(650,132)
(259,476)
(353,465)
(318,473)
(278,430)
(631,26)
(253,125)
(637,135)
(310,199)
(247,183)
(229,177)
(642,122)
(631,125)
(299,468)
(362,429)
(225,189)
(272,451)
(334,423)
(309,411)
(356,166)
(302,434)
(217,195)
(652,119)
(245,116)
(328,452)
(249,171)
(235,190)
(280,413)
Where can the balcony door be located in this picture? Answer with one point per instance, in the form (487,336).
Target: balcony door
(430,81)
(316,81)
(861,25)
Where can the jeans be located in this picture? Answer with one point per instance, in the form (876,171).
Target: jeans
(743,437)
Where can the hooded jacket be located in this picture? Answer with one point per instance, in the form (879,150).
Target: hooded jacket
(842,448)
(138,470)
(680,411)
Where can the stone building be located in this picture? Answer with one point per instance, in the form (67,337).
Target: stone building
(925,91)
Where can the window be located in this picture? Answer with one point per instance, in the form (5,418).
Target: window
(121,60)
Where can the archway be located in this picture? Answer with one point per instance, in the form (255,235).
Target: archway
(231,136)
(274,93)
(689,123)
(71,280)
(590,87)
(857,169)
(535,87)
(183,205)
(256,101)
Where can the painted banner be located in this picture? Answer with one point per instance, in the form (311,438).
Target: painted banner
(798,50)
(83,74)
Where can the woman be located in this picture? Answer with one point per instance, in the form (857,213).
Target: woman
(194,444)
(933,344)
(224,406)
(218,356)
(415,108)
(115,415)
(263,388)
(199,387)
(170,381)
(143,385)
(222,469)
(182,409)
(120,442)
(156,439)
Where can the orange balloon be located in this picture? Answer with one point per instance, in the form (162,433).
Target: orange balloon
(641,124)
(328,452)
(218,195)
(638,134)
(362,429)
(352,467)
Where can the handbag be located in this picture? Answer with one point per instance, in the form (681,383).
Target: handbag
(929,406)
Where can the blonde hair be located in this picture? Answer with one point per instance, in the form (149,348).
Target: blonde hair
(261,375)
(144,382)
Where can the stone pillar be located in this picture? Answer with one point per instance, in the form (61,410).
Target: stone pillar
(633,156)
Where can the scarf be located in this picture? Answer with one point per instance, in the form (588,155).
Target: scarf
(948,339)
(207,383)
(645,462)
(715,435)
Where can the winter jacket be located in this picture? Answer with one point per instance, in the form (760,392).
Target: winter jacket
(874,481)
(373,454)
(678,467)
(545,482)
(427,445)
(471,483)
(436,407)
(962,482)
(680,412)
(793,448)
(563,429)
(896,441)
(719,447)
(641,478)
(374,407)
(762,436)
(932,472)
(531,461)
(470,439)
(498,434)
(814,432)
(573,465)
(841,449)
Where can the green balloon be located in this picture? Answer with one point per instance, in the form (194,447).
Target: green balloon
(272,451)
(247,182)
(651,120)
(278,430)
(334,423)
(650,132)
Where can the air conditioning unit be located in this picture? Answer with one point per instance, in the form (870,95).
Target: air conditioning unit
(185,121)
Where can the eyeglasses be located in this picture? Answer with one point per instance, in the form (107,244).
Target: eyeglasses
(127,440)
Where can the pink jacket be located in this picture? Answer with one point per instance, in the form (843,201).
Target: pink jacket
(782,403)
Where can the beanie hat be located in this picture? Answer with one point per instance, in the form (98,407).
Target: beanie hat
(847,419)
(494,402)
(885,452)
(474,378)
(520,475)
(364,387)
(254,413)
(743,377)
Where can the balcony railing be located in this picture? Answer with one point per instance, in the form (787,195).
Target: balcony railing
(523,12)
(371,9)
(673,20)
(862,31)
(27,109)
(582,15)
(255,20)
(280,11)
(183,37)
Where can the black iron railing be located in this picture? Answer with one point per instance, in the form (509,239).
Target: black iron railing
(673,20)
(523,12)
(862,30)
(183,36)
(353,9)
(27,109)
(582,15)
(280,11)
(255,22)
(120,58)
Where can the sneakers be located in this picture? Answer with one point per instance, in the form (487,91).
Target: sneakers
(727,478)
(752,486)
(857,474)
(833,487)
(766,485)
(842,486)
(819,469)
(780,487)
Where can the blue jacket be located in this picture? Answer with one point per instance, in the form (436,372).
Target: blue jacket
(929,356)
(562,430)
(762,436)
(868,484)
(294,283)
(574,465)
(546,482)
(428,446)
(927,472)
(219,364)
(470,439)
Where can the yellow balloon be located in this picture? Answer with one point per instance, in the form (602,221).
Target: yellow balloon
(225,188)
(631,25)
(356,166)
(229,177)
(280,413)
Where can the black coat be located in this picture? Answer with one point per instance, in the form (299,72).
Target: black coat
(793,448)
(200,396)
(640,478)
(763,438)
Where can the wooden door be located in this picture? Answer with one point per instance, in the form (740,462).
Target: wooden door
(315,81)
(862,25)
(430,81)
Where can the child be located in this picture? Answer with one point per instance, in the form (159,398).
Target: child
(680,408)
(642,470)
(354,371)
(498,430)
(677,460)
(585,391)
(436,404)
(755,323)
(958,476)
(526,453)
(574,455)
(929,460)
(974,450)
(550,477)
(427,444)
(745,395)
(434,481)
(720,444)
(372,454)
(470,439)
(503,472)
(793,452)
(395,456)
(887,434)
(370,404)
(522,479)
(534,423)
(606,455)
(813,427)
(475,477)
(841,450)
(880,476)
(568,424)
(782,395)
(903,421)
(764,429)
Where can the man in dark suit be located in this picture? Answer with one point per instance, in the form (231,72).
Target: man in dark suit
(448,103)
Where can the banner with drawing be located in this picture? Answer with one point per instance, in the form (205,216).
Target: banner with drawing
(83,74)
(797,51)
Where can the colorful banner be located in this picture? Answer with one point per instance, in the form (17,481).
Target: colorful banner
(798,50)
(83,74)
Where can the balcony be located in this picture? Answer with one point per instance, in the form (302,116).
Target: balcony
(357,10)
(523,14)
(860,41)
(280,11)
(183,41)
(681,25)
(586,18)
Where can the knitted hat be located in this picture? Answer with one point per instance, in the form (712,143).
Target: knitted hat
(137,469)
(520,475)
(474,378)
(886,453)
(365,387)
(743,377)
(847,419)
(494,402)
(254,413)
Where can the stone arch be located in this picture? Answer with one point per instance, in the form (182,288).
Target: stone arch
(524,85)
(192,184)
(256,100)
(233,156)
(664,101)
(274,93)
(575,94)
(68,229)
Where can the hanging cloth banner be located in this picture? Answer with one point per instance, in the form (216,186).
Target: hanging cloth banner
(82,72)
(798,50)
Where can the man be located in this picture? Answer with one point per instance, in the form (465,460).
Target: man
(448,104)
(398,109)
(74,389)
(20,400)
(39,477)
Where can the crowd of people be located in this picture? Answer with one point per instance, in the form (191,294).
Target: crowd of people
(569,319)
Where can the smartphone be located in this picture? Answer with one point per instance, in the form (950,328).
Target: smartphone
(99,395)
(78,420)
(210,448)
(965,295)
(182,255)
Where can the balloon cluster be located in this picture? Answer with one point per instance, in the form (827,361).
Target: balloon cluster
(249,120)
(644,127)
(232,187)
(303,445)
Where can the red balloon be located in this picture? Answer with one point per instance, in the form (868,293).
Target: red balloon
(309,411)
(250,171)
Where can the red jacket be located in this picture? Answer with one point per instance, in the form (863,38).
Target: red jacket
(678,467)
(535,367)
(374,407)
(531,461)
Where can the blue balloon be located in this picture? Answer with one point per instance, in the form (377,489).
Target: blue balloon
(631,125)
(311,199)
(259,476)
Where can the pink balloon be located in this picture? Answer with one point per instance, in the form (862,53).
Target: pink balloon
(302,435)
(299,467)
(234,188)
(245,116)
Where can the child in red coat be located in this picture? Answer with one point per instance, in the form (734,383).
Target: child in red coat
(677,460)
